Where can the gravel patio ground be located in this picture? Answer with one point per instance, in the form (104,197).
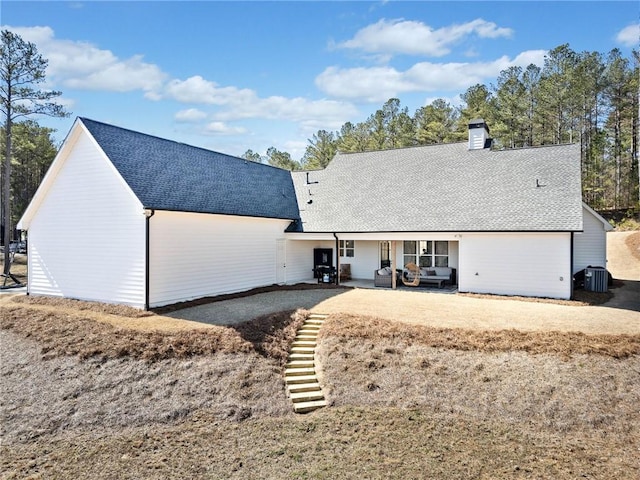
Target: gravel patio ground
(619,316)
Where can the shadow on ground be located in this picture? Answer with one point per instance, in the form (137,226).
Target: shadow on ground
(626,297)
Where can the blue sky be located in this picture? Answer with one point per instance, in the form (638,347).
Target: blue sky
(232,76)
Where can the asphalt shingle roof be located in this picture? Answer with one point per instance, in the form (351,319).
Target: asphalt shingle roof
(167,175)
(444,188)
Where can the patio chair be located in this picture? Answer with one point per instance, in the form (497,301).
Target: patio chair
(415,270)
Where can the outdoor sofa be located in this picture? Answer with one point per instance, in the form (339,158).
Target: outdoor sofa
(435,275)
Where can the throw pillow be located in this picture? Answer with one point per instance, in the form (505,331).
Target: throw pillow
(431,273)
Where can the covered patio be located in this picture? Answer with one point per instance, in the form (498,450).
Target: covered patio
(363,258)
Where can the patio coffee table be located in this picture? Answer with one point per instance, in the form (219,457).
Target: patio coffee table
(438,281)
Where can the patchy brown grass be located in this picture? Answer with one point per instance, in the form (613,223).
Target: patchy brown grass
(60,334)
(82,306)
(84,397)
(374,330)
(51,396)
(337,443)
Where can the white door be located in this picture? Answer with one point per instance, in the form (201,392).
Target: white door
(281,255)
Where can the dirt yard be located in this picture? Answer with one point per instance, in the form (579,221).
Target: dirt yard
(105,392)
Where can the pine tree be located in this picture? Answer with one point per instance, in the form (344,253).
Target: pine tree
(21,69)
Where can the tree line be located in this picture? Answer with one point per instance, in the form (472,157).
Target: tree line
(588,98)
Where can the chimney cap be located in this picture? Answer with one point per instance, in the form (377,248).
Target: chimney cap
(478,123)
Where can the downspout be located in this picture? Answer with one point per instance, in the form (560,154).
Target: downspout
(571,266)
(148,213)
(337,258)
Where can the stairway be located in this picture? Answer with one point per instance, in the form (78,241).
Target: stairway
(300,374)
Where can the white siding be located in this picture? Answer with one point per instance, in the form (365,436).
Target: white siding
(86,239)
(536,265)
(196,255)
(300,258)
(366,259)
(590,246)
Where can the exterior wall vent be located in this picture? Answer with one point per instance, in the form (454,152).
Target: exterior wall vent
(478,135)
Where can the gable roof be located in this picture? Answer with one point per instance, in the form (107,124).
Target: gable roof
(167,175)
(606,225)
(444,188)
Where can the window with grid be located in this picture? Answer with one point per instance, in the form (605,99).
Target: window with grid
(426,253)
(347,248)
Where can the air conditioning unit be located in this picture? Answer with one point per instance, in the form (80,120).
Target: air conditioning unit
(596,279)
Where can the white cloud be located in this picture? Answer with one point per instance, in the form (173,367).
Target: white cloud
(416,38)
(190,115)
(221,128)
(378,84)
(81,65)
(454,101)
(238,103)
(629,36)
(200,91)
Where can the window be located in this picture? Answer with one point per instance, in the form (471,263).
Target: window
(347,248)
(385,255)
(426,253)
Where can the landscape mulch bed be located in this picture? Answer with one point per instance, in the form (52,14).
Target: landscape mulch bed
(560,343)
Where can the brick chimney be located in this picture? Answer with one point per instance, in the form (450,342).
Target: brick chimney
(478,134)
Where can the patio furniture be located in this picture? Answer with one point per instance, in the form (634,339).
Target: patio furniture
(325,273)
(431,275)
(384,278)
(411,275)
(345,271)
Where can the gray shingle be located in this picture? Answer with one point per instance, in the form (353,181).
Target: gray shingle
(167,175)
(445,188)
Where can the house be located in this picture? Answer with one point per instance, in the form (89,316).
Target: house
(125,217)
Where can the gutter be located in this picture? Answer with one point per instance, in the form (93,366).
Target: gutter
(337,258)
(571,266)
(148,213)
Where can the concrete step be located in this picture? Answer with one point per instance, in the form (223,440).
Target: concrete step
(306,407)
(298,397)
(304,387)
(297,371)
(306,337)
(301,356)
(300,379)
(310,350)
(299,363)
(307,332)
(310,326)
(314,321)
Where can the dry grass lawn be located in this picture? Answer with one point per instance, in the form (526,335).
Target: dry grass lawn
(88,392)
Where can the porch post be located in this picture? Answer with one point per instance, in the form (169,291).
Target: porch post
(393,265)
